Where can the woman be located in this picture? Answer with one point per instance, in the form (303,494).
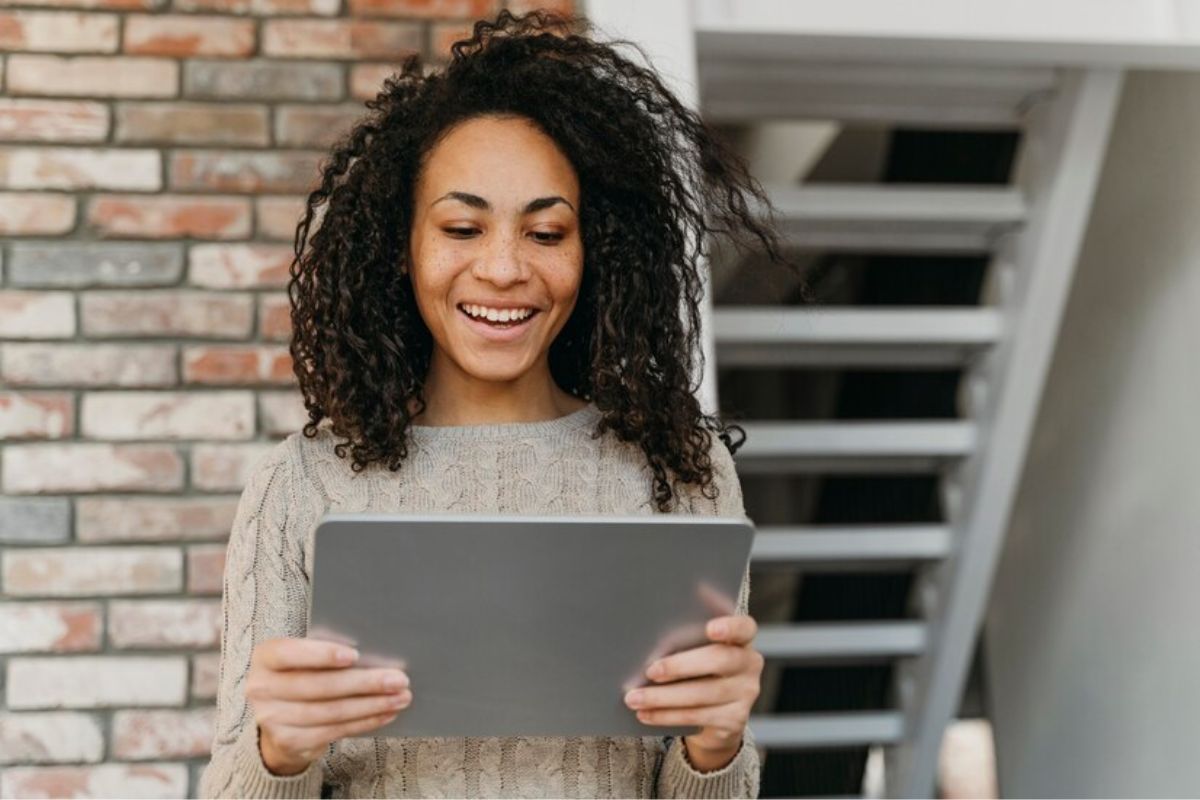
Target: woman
(488,319)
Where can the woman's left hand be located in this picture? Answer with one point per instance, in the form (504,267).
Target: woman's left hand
(712,686)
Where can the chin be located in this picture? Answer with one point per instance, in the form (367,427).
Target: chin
(497,373)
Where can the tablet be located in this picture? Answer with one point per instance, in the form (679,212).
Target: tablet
(511,625)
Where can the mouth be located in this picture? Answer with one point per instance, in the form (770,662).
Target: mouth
(491,323)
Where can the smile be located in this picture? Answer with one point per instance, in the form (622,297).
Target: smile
(498,324)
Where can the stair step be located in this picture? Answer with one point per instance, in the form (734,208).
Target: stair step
(796,731)
(841,640)
(856,544)
(867,218)
(921,446)
(781,336)
(968,96)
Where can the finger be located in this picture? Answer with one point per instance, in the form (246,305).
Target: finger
(718,603)
(711,659)
(726,716)
(336,712)
(685,694)
(739,629)
(291,653)
(331,684)
(317,738)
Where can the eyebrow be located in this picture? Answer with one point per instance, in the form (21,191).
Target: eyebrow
(475,201)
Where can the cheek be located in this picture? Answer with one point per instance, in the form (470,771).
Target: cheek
(432,278)
(564,275)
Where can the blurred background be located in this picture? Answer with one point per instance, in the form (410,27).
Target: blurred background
(972,430)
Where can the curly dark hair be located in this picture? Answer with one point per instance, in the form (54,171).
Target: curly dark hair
(655,182)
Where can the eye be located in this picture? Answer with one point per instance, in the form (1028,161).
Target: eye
(547,237)
(460,232)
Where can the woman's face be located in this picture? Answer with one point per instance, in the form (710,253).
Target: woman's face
(496,235)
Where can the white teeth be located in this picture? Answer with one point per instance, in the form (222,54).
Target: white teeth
(498,315)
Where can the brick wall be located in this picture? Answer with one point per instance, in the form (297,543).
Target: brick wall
(154,157)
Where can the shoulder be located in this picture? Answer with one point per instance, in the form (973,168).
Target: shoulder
(269,476)
(726,488)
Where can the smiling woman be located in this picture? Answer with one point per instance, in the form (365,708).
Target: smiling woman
(478,263)
(499,312)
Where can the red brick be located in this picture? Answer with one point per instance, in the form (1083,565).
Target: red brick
(167,313)
(127,519)
(237,365)
(340,38)
(92,76)
(36,415)
(59,32)
(31,214)
(274,317)
(76,571)
(205,668)
(311,125)
(239,266)
(244,171)
(366,80)
(51,627)
(281,413)
(205,568)
(225,467)
(118,365)
(164,623)
(270,80)
(105,5)
(36,315)
(80,168)
(266,8)
(101,780)
(184,35)
(277,217)
(426,9)
(167,415)
(90,467)
(163,734)
(52,120)
(444,34)
(169,217)
(192,123)
(524,6)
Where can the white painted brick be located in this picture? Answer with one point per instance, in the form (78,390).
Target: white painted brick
(49,737)
(61,571)
(168,415)
(96,681)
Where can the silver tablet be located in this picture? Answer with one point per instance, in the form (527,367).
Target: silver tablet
(514,625)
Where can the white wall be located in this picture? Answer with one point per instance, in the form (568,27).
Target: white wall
(1093,635)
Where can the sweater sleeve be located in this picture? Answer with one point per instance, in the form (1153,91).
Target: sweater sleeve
(740,777)
(265,595)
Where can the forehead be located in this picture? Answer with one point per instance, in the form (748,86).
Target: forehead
(497,158)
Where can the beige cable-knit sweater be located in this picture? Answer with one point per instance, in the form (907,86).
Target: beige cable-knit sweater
(544,467)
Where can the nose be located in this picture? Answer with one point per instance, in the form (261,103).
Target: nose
(501,262)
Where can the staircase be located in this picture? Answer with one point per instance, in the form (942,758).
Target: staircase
(740,71)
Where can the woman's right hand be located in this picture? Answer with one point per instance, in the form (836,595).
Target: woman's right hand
(303,698)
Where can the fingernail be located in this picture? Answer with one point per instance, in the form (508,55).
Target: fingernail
(347,656)
(718,629)
(655,670)
(394,682)
(633,699)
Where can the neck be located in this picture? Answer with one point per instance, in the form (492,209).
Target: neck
(453,397)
